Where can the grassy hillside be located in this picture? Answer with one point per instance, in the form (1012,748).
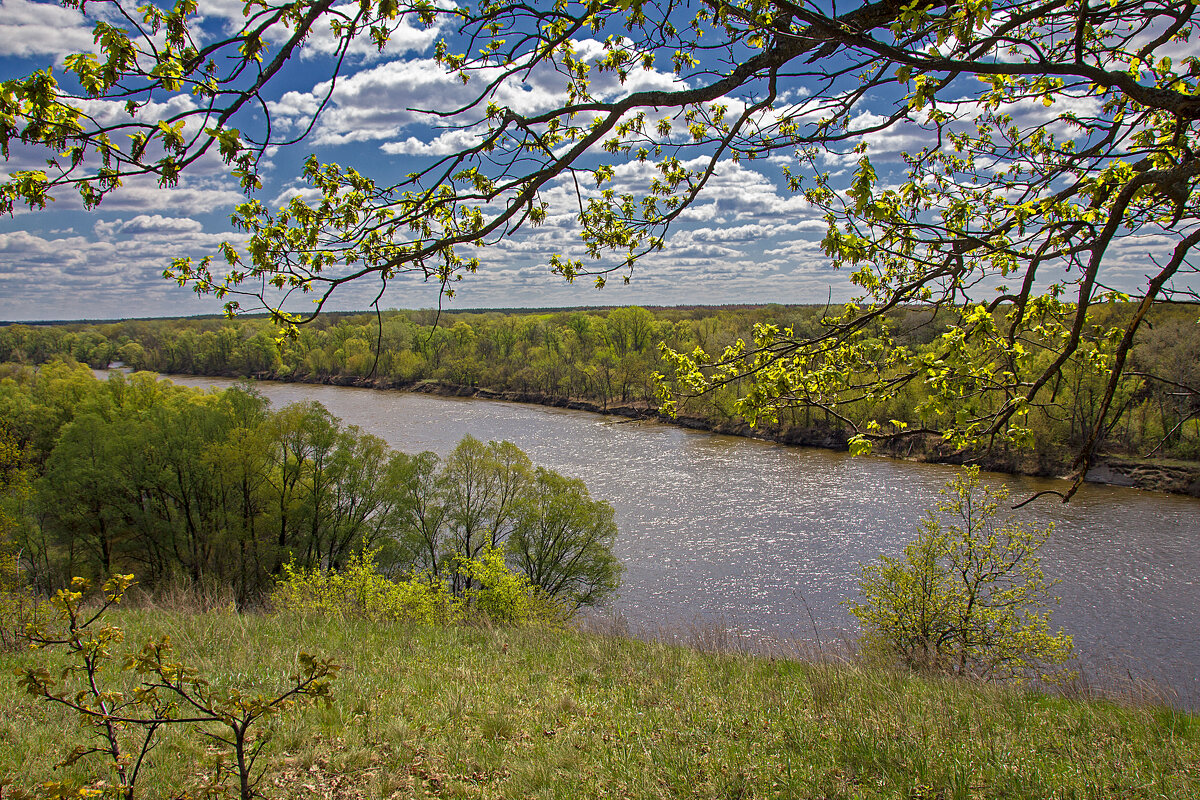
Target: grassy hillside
(514,713)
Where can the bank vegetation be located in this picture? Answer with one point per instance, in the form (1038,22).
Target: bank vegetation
(607,360)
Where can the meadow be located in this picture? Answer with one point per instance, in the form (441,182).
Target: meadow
(479,711)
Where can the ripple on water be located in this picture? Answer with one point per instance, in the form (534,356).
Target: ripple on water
(737,530)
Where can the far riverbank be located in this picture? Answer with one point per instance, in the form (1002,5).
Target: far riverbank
(1157,475)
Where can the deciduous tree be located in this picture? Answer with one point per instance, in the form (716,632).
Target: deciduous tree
(1047,141)
(563,539)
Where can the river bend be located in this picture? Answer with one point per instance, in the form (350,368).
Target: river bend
(751,536)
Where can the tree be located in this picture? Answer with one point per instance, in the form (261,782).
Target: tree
(16,600)
(168,693)
(968,596)
(1048,141)
(365,504)
(423,513)
(82,488)
(563,539)
(481,483)
(630,329)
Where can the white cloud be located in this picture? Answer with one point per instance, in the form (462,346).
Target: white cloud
(116,274)
(143,195)
(154,224)
(113,112)
(42,29)
(380,102)
(404,37)
(305,193)
(388,100)
(443,144)
(232,12)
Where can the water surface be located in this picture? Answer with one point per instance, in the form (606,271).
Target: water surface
(753,535)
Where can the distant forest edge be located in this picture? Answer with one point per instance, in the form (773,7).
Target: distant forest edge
(605,360)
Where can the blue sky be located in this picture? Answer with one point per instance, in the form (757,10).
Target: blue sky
(748,240)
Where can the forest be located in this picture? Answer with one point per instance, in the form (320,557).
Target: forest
(622,358)
(217,491)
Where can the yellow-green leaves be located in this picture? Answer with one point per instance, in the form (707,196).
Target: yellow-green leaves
(859,445)
(167,692)
(862,187)
(968,595)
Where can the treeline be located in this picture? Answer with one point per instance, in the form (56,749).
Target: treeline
(609,358)
(215,489)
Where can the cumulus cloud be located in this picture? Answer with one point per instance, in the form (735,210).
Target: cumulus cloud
(443,144)
(42,29)
(666,279)
(305,193)
(153,224)
(386,101)
(380,102)
(407,35)
(142,194)
(115,273)
(758,245)
(113,112)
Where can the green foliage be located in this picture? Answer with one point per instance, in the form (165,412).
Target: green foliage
(1042,146)
(358,590)
(167,693)
(481,485)
(968,596)
(573,356)
(507,596)
(493,591)
(216,490)
(17,601)
(563,540)
(515,712)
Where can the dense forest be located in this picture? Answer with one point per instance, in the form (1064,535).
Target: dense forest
(608,359)
(215,489)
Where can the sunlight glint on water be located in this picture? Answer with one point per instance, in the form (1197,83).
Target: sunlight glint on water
(738,531)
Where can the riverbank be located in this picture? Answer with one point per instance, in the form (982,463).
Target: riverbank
(1170,476)
(467,712)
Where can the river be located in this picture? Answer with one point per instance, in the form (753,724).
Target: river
(720,532)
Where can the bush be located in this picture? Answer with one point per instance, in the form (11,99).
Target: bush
(506,596)
(17,603)
(497,593)
(360,591)
(968,596)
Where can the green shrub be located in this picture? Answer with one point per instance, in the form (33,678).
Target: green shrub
(125,724)
(360,591)
(502,595)
(968,596)
(496,594)
(17,603)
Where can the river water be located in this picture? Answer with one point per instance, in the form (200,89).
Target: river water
(720,532)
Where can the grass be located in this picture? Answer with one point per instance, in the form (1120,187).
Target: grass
(467,712)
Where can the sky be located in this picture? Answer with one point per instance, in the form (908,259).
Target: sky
(748,240)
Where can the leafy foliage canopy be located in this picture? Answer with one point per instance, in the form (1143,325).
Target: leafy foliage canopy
(1048,142)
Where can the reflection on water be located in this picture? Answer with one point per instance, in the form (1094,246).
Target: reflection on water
(738,530)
